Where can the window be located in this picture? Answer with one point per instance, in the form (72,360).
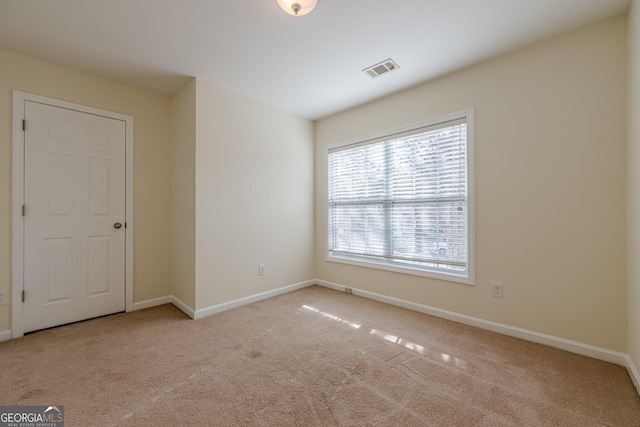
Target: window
(403,202)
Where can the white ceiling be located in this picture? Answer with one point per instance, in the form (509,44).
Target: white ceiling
(310,65)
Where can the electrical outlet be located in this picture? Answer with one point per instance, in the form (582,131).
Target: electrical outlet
(496,289)
(262,270)
(3,297)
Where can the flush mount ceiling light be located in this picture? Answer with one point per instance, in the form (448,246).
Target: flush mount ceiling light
(297,7)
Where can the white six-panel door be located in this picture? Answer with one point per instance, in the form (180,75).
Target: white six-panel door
(74,196)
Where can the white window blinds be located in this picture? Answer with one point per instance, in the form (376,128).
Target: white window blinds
(402,199)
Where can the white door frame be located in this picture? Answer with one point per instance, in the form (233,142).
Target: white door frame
(19,99)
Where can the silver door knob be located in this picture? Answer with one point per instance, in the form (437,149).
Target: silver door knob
(117,225)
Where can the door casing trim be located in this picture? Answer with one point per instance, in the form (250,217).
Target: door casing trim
(17,236)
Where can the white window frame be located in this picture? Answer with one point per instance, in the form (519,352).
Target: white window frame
(469,277)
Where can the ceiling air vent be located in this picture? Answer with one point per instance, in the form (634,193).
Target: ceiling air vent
(380,68)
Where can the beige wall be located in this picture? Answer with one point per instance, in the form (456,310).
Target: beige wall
(183,195)
(633,168)
(550,186)
(152,133)
(254,196)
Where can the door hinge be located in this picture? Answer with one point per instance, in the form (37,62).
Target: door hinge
(23,296)
(24,210)
(24,124)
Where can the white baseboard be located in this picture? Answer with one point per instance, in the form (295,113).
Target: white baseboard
(588,350)
(5,335)
(184,307)
(633,373)
(512,331)
(152,302)
(330,285)
(549,340)
(168,299)
(208,311)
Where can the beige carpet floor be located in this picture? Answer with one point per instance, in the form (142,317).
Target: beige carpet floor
(314,357)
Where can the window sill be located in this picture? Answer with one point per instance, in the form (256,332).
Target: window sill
(449,277)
